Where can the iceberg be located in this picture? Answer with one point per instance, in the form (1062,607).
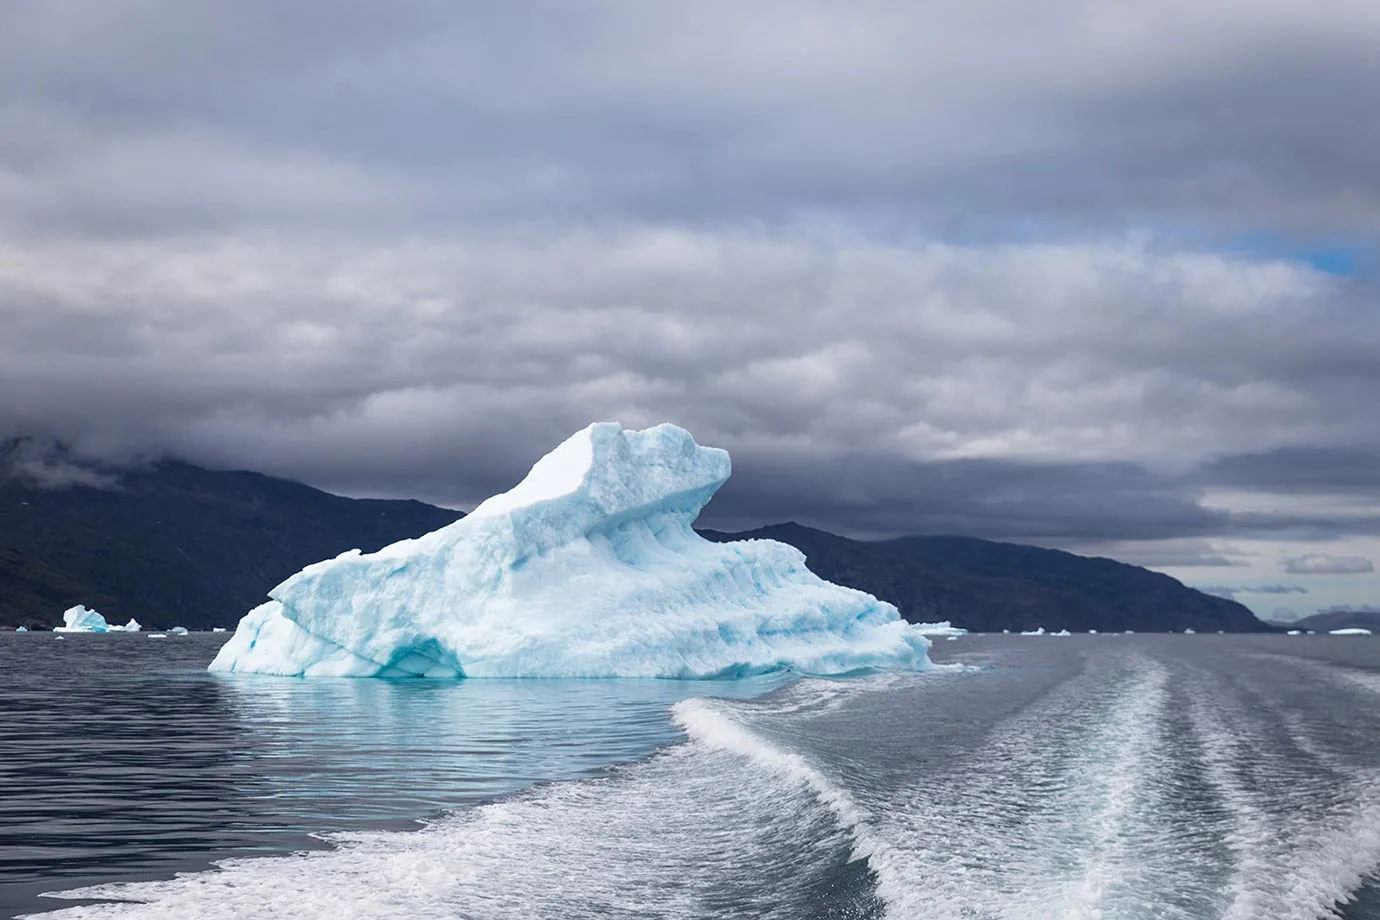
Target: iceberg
(942,628)
(22,629)
(588,567)
(178,631)
(82,619)
(1349,631)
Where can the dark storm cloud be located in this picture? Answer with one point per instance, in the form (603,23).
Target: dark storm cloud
(407,248)
(143,115)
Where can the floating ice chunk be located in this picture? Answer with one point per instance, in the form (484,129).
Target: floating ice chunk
(1037,631)
(131,626)
(158,635)
(81,619)
(587,568)
(1189,632)
(1062,632)
(1295,632)
(1092,632)
(216,629)
(22,629)
(942,628)
(178,631)
(1349,631)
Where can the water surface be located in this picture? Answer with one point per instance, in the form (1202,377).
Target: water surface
(1131,777)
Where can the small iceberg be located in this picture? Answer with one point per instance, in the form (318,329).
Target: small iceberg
(1294,632)
(1037,631)
(82,619)
(178,631)
(943,628)
(1062,632)
(1349,631)
(589,567)
(158,635)
(22,629)
(1190,632)
(216,629)
(1092,632)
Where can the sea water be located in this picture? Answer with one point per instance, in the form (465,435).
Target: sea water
(1083,777)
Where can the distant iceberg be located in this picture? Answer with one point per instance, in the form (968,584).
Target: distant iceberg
(178,631)
(587,568)
(942,628)
(22,629)
(1349,631)
(83,619)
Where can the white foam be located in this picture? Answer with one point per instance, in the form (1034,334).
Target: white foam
(693,832)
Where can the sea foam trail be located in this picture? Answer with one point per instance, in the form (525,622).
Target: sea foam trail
(696,831)
(1306,822)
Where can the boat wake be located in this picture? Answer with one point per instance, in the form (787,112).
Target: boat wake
(1132,785)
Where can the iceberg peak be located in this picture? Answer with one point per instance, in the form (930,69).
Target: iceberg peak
(588,567)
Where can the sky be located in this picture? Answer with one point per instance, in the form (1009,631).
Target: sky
(1099,276)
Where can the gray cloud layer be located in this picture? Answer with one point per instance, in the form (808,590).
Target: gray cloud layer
(1324,564)
(944,267)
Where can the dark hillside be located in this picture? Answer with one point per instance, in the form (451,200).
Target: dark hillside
(178,544)
(987,586)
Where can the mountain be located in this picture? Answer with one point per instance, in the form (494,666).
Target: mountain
(1338,619)
(988,586)
(175,544)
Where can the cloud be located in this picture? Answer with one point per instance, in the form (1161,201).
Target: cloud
(49,466)
(1231,591)
(953,115)
(1351,608)
(975,388)
(921,268)
(1324,564)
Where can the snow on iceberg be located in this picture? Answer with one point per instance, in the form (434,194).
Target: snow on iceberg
(587,568)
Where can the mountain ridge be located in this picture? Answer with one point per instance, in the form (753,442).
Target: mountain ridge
(172,543)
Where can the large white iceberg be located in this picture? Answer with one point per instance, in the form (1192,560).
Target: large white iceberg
(587,568)
(82,619)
